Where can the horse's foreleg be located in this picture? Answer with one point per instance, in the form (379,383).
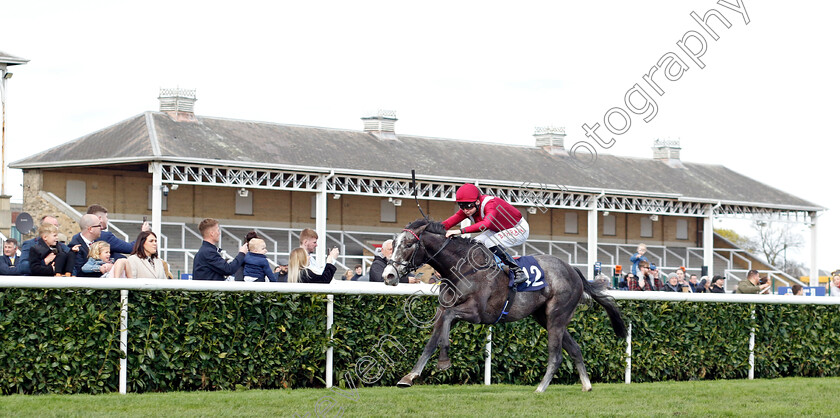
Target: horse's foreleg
(571,346)
(443,360)
(408,379)
(467,312)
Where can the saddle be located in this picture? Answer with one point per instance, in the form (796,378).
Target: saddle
(536,280)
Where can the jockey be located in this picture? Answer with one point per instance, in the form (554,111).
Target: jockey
(500,224)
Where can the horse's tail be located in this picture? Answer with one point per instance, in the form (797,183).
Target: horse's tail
(595,290)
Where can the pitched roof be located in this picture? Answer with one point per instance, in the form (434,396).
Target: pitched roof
(9,59)
(217,140)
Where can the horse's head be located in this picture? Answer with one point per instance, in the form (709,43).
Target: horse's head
(409,251)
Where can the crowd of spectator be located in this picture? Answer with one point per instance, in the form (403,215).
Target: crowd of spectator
(96,252)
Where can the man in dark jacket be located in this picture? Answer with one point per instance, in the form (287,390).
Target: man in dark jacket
(10,260)
(118,246)
(717,285)
(90,232)
(380,260)
(208,263)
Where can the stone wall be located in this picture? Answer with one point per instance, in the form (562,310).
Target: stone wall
(38,207)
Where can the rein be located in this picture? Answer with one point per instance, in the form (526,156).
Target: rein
(414,265)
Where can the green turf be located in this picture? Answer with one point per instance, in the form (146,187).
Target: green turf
(790,396)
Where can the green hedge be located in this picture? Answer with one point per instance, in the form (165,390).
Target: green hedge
(67,341)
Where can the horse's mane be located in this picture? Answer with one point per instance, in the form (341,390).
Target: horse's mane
(434,227)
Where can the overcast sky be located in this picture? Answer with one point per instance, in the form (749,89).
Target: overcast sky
(764,104)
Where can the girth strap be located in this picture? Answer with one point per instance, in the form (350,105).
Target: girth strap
(508,303)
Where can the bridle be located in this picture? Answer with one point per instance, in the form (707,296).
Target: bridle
(405,266)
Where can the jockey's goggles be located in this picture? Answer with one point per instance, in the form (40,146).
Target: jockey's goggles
(466,205)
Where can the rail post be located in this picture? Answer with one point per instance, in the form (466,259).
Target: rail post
(123,340)
(627,376)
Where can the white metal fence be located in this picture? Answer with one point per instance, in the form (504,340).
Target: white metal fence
(366,288)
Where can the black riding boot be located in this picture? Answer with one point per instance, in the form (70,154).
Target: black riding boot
(518,275)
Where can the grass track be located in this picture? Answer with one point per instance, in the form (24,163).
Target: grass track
(779,397)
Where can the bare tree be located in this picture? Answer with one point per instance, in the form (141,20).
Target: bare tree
(774,239)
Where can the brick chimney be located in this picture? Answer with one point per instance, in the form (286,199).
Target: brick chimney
(178,104)
(550,138)
(381,124)
(667,151)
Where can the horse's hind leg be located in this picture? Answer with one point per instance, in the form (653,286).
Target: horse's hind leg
(571,346)
(408,379)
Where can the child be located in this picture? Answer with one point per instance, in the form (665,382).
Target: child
(46,258)
(256,264)
(99,255)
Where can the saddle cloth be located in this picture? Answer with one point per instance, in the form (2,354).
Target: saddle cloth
(532,269)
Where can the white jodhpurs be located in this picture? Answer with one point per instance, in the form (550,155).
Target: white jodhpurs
(507,238)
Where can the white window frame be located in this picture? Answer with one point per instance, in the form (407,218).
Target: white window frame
(609,225)
(646,227)
(387,211)
(76,193)
(571,223)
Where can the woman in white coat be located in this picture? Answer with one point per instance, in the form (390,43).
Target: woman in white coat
(143,263)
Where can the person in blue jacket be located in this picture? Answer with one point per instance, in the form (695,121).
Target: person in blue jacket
(256,264)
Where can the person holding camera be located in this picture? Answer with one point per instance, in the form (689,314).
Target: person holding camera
(300,271)
(47,258)
(753,285)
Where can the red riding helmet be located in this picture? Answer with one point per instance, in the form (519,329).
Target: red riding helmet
(467,193)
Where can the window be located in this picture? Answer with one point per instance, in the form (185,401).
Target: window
(164,200)
(571,222)
(609,225)
(76,193)
(387,211)
(244,205)
(647,227)
(313,211)
(682,228)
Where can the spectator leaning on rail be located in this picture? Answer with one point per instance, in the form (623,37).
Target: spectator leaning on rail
(23,268)
(256,268)
(46,258)
(118,246)
(239,276)
(717,285)
(99,255)
(673,284)
(299,271)
(208,263)
(143,263)
(499,225)
(637,257)
(753,284)
(644,280)
(694,286)
(834,285)
(91,229)
(10,260)
(282,270)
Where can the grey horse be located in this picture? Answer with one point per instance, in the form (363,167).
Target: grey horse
(475,290)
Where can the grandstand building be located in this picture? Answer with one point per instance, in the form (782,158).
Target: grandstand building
(354,186)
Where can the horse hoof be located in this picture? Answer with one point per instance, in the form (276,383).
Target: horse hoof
(444,364)
(587,389)
(405,382)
